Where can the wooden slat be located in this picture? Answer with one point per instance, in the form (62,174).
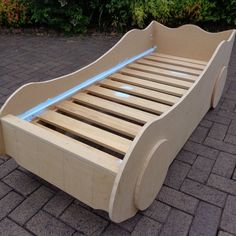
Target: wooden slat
(200,62)
(124,98)
(169,67)
(114,108)
(175,62)
(158,71)
(89,132)
(108,121)
(142,92)
(157,78)
(101,158)
(148,84)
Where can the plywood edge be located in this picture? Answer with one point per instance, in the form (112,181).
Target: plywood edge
(107,164)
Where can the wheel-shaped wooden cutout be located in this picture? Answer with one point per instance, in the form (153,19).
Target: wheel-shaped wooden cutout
(152,175)
(219,87)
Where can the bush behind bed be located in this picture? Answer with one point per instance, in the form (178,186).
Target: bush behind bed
(73,16)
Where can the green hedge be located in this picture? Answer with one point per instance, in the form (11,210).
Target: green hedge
(73,16)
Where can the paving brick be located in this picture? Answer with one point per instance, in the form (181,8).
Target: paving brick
(21,182)
(232,128)
(4,189)
(83,220)
(228,105)
(7,167)
(199,134)
(227,114)
(218,131)
(234,175)
(44,224)
(204,192)
(220,145)
(147,227)
(178,199)
(31,205)
(222,233)
(58,203)
(176,174)
(222,183)
(230,139)
(8,203)
(177,224)
(114,230)
(157,211)
(130,224)
(201,169)
(186,156)
(206,220)
(217,119)
(201,150)
(225,164)
(228,220)
(206,123)
(10,228)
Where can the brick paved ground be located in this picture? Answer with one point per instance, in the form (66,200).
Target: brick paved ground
(199,195)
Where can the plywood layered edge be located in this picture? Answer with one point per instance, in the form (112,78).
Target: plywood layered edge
(174,127)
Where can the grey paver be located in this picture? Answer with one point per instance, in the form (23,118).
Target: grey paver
(225,164)
(228,220)
(158,211)
(31,205)
(232,128)
(218,131)
(204,192)
(58,203)
(130,224)
(230,139)
(176,174)
(83,220)
(201,150)
(220,145)
(4,189)
(146,226)
(206,220)
(44,224)
(201,169)
(222,183)
(7,167)
(186,156)
(199,134)
(21,182)
(114,230)
(177,224)
(8,203)
(222,233)
(206,123)
(218,119)
(178,199)
(10,228)
(228,105)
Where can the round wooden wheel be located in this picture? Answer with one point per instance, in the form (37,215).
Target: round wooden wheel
(219,87)
(152,175)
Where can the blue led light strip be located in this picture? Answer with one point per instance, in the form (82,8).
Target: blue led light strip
(33,112)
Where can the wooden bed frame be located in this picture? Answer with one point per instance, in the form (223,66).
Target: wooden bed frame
(107,133)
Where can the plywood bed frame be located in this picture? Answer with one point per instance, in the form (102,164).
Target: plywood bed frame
(107,133)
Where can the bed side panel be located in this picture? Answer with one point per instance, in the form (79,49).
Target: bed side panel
(188,41)
(57,165)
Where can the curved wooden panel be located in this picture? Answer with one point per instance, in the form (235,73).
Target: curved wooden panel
(171,126)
